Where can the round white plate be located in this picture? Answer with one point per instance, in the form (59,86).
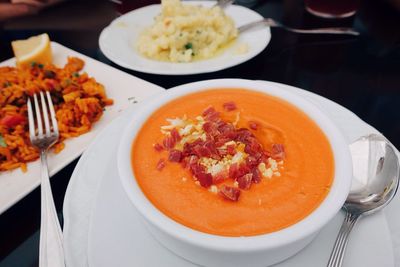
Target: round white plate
(117,42)
(115,235)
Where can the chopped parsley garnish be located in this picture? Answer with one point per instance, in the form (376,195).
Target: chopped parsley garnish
(7,84)
(40,66)
(2,141)
(33,64)
(189,46)
(76,74)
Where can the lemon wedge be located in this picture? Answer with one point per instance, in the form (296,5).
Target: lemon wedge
(34,49)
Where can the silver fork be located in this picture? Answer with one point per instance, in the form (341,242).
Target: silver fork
(224,3)
(51,252)
(273,23)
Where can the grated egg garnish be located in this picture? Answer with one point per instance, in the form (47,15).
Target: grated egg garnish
(213,189)
(272,164)
(236,119)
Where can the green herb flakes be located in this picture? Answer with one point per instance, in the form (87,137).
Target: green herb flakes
(189,46)
(2,141)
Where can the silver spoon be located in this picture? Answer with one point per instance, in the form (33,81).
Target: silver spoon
(224,3)
(273,23)
(376,179)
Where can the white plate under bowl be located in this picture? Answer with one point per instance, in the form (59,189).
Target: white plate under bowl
(118,42)
(117,237)
(123,88)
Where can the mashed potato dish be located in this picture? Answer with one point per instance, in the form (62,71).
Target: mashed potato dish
(183,33)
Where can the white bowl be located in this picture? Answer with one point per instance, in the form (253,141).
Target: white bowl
(212,250)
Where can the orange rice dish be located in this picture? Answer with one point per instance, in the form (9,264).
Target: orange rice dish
(79,101)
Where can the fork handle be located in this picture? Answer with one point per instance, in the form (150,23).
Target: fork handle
(339,248)
(272,23)
(51,252)
(342,30)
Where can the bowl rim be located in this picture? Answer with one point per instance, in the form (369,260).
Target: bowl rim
(309,225)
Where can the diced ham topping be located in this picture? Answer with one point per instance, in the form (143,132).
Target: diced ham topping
(253,125)
(278,151)
(220,177)
(175,135)
(209,110)
(252,161)
(175,155)
(205,179)
(245,181)
(169,142)
(243,134)
(229,193)
(214,150)
(256,176)
(196,168)
(229,106)
(158,147)
(210,114)
(233,170)
(160,164)
(230,149)
(201,151)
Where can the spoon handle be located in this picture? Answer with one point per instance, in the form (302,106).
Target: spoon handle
(339,248)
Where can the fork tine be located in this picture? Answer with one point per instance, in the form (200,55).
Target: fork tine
(38,117)
(31,120)
(45,115)
(52,113)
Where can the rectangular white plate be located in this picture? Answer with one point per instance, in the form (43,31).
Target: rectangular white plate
(123,88)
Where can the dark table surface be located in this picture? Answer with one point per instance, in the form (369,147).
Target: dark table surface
(361,73)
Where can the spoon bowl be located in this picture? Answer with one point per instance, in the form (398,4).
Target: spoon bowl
(376,172)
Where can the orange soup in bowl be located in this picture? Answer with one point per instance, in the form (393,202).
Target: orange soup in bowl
(232,162)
